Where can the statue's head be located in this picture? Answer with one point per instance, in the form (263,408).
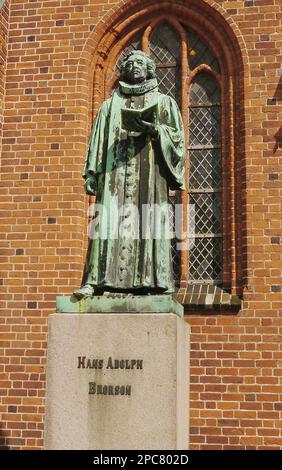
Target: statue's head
(137,67)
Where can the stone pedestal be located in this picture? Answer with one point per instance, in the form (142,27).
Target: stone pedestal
(117,381)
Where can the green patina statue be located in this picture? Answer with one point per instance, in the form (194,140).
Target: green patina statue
(136,154)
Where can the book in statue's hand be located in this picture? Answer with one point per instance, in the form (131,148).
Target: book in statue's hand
(129,115)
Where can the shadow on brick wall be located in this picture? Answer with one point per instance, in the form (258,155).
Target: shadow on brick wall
(278,92)
(278,140)
(3,446)
(277,98)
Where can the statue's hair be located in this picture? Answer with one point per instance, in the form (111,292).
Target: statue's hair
(151,66)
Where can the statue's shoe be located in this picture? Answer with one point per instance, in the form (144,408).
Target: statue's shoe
(84,292)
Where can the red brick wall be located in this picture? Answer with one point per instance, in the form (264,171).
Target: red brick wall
(4,17)
(236,358)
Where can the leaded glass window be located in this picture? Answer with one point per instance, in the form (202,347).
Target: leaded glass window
(165,49)
(204,187)
(200,53)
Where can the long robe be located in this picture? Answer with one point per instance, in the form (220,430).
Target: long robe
(131,250)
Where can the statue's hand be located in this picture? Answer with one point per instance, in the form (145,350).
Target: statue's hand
(146,127)
(90,185)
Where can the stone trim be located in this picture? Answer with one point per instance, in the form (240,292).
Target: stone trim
(204,296)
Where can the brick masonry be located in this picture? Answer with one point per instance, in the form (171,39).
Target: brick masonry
(47,48)
(4,13)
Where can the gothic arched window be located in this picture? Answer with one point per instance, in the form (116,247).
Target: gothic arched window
(190,70)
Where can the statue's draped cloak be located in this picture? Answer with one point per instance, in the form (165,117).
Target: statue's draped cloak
(133,169)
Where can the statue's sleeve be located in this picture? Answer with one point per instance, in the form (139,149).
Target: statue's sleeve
(97,143)
(171,142)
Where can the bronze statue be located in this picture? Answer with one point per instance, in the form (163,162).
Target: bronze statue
(136,154)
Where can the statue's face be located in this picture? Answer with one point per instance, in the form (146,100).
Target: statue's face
(136,69)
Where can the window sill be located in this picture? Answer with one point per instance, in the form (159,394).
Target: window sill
(209,297)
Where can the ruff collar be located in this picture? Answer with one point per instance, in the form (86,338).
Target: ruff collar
(138,89)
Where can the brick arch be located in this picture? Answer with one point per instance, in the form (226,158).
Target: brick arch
(203,68)
(212,21)
(217,28)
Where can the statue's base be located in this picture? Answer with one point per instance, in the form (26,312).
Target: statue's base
(120,303)
(117,381)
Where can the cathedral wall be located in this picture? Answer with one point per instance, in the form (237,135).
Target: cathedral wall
(47,112)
